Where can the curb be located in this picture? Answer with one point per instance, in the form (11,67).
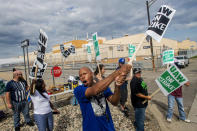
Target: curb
(193,111)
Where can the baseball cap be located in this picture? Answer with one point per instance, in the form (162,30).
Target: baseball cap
(136,70)
(121,60)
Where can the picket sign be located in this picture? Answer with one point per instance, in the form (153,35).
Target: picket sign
(131,50)
(160,22)
(67,52)
(96,49)
(168,57)
(40,71)
(156,30)
(134,54)
(35,78)
(96,46)
(88,49)
(39,61)
(170,80)
(158,26)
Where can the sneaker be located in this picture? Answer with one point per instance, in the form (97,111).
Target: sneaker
(30,123)
(187,120)
(169,120)
(17,128)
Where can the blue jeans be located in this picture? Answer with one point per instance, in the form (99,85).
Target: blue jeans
(17,108)
(179,101)
(139,118)
(44,121)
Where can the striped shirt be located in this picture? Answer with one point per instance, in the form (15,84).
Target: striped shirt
(17,90)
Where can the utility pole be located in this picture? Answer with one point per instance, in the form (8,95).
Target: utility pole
(151,42)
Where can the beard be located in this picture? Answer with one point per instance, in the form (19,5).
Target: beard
(21,79)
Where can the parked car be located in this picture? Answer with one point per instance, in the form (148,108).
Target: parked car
(181,61)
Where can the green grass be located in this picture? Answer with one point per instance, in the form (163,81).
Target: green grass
(193,57)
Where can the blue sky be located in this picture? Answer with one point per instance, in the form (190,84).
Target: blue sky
(64,19)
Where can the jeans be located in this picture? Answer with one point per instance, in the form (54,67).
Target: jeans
(44,121)
(123,95)
(139,118)
(179,101)
(17,108)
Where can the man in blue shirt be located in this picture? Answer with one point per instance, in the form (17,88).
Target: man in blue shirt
(93,97)
(16,99)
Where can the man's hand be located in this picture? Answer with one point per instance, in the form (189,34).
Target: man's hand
(187,83)
(9,106)
(148,97)
(125,69)
(99,77)
(119,80)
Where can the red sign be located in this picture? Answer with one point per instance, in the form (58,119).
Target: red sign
(57,71)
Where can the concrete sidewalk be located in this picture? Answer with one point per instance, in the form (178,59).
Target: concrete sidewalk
(193,111)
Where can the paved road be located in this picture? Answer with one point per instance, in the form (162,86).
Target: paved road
(160,101)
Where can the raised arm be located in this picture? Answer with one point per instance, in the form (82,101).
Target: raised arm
(32,86)
(114,99)
(101,85)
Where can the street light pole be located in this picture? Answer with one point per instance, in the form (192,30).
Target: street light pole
(28,62)
(25,44)
(24,62)
(151,43)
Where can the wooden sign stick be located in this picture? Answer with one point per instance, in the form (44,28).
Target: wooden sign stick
(3,98)
(154,93)
(141,42)
(132,58)
(99,69)
(35,78)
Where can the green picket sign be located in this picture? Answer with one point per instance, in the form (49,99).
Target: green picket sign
(96,46)
(170,80)
(94,37)
(88,49)
(131,50)
(168,57)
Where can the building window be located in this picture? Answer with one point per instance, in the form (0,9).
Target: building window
(120,48)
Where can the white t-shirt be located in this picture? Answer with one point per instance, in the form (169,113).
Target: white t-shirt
(41,104)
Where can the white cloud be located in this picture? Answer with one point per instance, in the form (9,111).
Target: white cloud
(63,19)
(192,24)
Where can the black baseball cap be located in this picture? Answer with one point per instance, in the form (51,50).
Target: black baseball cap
(136,70)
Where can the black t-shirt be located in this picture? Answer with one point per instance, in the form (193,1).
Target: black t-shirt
(17,90)
(137,85)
